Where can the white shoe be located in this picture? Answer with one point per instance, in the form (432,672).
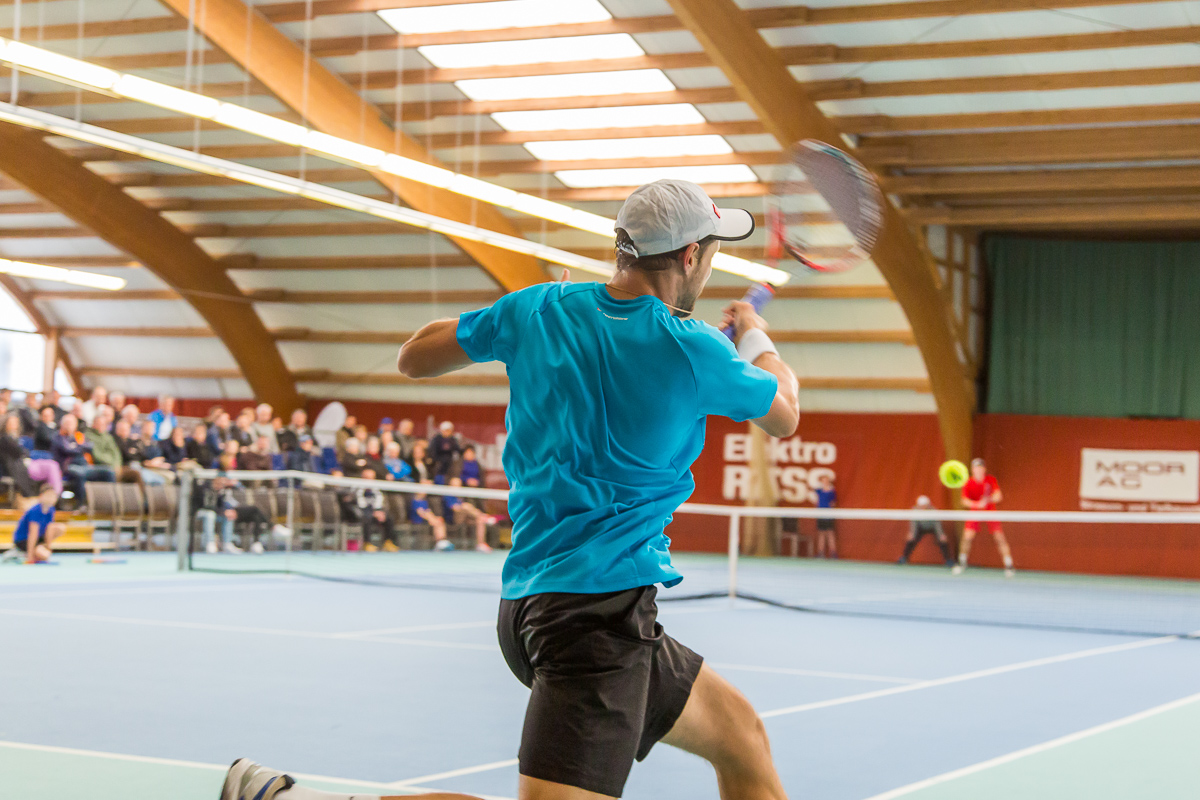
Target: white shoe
(13,554)
(957,569)
(483,547)
(211,547)
(443,545)
(230,547)
(1009,572)
(281,532)
(256,548)
(247,779)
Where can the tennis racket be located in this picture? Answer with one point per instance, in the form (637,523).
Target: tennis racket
(816,169)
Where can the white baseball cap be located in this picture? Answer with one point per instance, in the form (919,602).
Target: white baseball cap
(670,214)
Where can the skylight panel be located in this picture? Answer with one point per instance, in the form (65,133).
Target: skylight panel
(489,16)
(585,118)
(634,81)
(594,178)
(642,147)
(532,51)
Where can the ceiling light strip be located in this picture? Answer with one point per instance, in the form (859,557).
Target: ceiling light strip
(75,71)
(74,277)
(61,126)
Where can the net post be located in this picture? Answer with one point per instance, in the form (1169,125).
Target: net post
(183,512)
(291,517)
(735,529)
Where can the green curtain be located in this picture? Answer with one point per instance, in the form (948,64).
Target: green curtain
(1094,328)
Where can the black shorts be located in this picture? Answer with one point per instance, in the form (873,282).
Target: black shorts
(827,525)
(607,683)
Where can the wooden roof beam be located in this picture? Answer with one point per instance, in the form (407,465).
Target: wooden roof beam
(1067,181)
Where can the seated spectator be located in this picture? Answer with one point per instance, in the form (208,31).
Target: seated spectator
(216,499)
(289,437)
(420,464)
(198,450)
(231,449)
(264,427)
(54,400)
(386,438)
(31,414)
(460,512)
(444,447)
(26,473)
(45,429)
(404,435)
(88,412)
(117,401)
(220,432)
(71,455)
(174,450)
(374,456)
(105,450)
(362,434)
(257,457)
(304,458)
(386,425)
(374,516)
(244,428)
(471,470)
(36,531)
(236,513)
(163,417)
(131,414)
(420,510)
(6,397)
(353,460)
(397,468)
(155,469)
(345,432)
(133,451)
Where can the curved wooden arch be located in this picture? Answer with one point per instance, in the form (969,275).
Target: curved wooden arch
(131,227)
(762,80)
(332,106)
(43,327)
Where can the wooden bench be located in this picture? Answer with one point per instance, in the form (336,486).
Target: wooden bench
(78,536)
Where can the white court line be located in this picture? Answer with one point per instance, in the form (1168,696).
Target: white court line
(18,595)
(208,626)
(174,762)
(813,673)
(447,626)
(1037,748)
(969,676)
(454,773)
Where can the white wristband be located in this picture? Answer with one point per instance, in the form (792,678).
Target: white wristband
(754,343)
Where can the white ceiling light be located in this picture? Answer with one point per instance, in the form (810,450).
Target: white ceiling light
(50,63)
(644,147)
(634,81)
(532,51)
(169,97)
(593,178)
(486,16)
(575,119)
(260,124)
(72,276)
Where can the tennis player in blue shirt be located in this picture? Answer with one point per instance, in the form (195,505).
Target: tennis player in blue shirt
(610,388)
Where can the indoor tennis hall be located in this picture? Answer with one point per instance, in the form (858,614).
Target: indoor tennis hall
(361,359)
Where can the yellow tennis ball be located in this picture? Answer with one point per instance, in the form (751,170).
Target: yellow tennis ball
(953,474)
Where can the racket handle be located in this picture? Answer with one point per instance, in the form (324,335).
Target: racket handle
(757,296)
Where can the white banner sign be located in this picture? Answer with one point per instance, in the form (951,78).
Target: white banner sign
(1171,476)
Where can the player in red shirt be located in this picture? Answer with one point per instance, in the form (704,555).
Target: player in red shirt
(982,493)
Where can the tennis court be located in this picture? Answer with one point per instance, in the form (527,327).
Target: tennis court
(136,681)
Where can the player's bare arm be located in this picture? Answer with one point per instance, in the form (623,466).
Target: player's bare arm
(784,416)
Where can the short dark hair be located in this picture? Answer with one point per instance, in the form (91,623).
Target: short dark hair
(657,262)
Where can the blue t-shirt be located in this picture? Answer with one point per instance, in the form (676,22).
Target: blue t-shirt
(826,498)
(607,406)
(419,505)
(36,515)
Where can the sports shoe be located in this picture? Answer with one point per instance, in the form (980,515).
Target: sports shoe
(230,547)
(390,546)
(211,547)
(957,569)
(13,554)
(901,560)
(248,781)
(256,548)
(1009,572)
(483,547)
(443,544)
(281,532)
(371,548)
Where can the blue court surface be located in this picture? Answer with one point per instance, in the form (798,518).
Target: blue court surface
(133,681)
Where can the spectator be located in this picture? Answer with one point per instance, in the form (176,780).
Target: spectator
(420,464)
(264,427)
(54,400)
(45,430)
(353,460)
(374,455)
(3,406)
(6,396)
(421,510)
(163,417)
(345,432)
(198,450)
(397,468)
(117,401)
(37,530)
(31,413)
(826,528)
(88,411)
(386,438)
(304,458)
(220,432)
(374,516)
(216,500)
(133,450)
(174,450)
(471,470)
(231,449)
(253,516)
(460,513)
(362,434)
(71,454)
(26,473)
(155,468)
(105,450)
(918,529)
(244,428)
(289,437)
(386,425)
(258,457)
(444,447)
(130,413)
(404,435)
